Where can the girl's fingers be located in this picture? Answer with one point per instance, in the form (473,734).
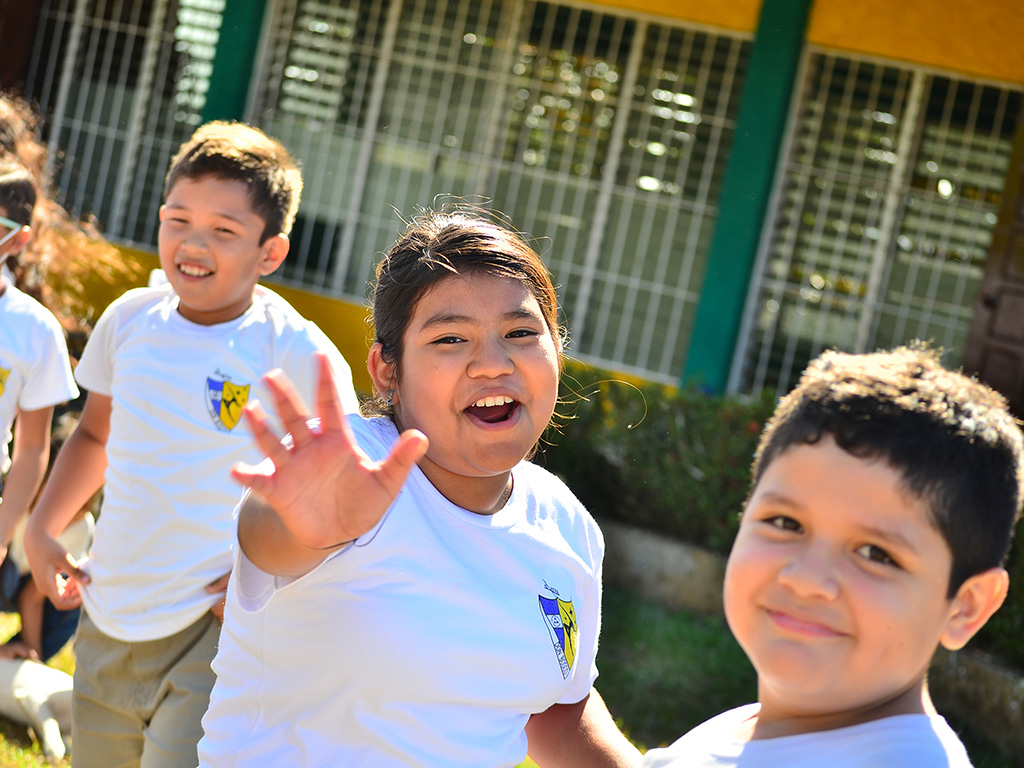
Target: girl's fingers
(328,406)
(268,442)
(409,449)
(260,478)
(290,408)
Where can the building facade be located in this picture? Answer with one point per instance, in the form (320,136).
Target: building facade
(720,190)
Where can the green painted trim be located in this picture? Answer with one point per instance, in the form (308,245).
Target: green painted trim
(234,60)
(760,125)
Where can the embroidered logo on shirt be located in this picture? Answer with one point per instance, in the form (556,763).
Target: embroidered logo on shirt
(560,617)
(225,401)
(4,373)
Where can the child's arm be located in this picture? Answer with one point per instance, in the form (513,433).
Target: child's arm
(581,735)
(28,466)
(76,476)
(319,492)
(30,606)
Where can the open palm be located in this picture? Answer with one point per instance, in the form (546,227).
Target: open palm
(322,485)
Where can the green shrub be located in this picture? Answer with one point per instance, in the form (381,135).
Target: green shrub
(675,461)
(678,462)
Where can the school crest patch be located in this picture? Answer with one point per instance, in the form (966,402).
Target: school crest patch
(4,373)
(560,617)
(226,401)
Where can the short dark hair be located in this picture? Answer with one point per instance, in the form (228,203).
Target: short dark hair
(240,152)
(439,244)
(17,191)
(953,439)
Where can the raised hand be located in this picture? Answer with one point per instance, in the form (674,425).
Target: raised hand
(319,487)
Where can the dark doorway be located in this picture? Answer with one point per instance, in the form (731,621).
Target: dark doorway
(995,351)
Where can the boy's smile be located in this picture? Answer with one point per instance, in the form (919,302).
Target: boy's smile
(210,248)
(479,377)
(836,588)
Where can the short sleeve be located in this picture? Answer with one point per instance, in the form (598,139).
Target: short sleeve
(50,380)
(95,369)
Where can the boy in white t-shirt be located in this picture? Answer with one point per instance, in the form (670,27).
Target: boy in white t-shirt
(35,376)
(168,370)
(885,493)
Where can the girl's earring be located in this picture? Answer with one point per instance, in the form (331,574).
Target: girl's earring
(391,397)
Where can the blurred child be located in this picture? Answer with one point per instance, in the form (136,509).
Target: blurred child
(35,376)
(63,253)
(885,493)
(396,603)
(168,370)
(44,628)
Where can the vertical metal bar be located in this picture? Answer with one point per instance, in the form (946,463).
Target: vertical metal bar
(489,151)
(255,97)
(750,353)
(66,77)
(144,93)
(616,145)
(891,210)
(369,132)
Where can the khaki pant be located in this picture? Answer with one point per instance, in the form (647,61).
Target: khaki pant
(140,705)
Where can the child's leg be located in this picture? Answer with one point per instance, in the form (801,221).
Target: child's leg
(141,704)
(176,725)
(106,729)
(30,606)
(58,628)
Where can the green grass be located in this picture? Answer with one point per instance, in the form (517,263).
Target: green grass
(662,672)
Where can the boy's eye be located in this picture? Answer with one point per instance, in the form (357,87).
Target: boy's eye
(447,340)
(876,555)
(784,523)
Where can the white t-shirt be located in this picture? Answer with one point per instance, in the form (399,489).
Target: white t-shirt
(35,371)
(165,527)
(428,642)
(902,741)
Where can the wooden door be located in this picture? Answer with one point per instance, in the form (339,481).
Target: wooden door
(995,351)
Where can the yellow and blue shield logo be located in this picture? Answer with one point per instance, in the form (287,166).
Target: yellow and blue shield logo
(226,401)
(563,629)
(4,373)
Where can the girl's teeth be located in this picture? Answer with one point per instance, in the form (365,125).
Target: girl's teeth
(490,402)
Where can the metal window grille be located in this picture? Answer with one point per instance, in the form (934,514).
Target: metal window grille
(883,214)
(123,84)
(602,135)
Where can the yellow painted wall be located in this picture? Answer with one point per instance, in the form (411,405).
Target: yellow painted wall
(979,37)
(343,322)
(740,15)
(983,38)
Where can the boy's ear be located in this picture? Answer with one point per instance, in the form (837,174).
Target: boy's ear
(381,372)
(274,250)
(975,602)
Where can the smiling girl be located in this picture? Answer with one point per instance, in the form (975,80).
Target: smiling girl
(409,590)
